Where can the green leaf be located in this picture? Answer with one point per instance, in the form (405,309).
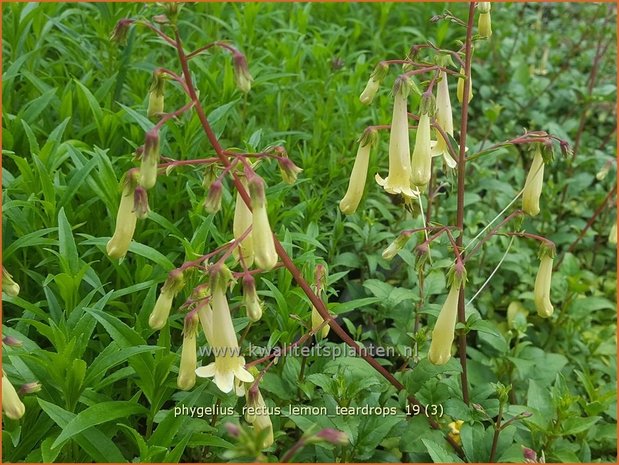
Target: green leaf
(439,453)
(94,442)
(68,249)
(95,415)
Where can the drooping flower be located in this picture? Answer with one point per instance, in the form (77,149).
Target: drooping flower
(421,162)
(12,405)
(288,169)
(189,358)
(242,221)
(241,73)
(444,329)
(212,203)
(444,118)
(398,180)
(265,255)
(125,219)
(257,413)
(533,185)
(358,176)
(541,291)
(8,285)
(156,95)
(320,280)
(460,86)
(484,25)
(253,306)
(172,286)
(371,88)
(396,246)
(150,160)
(228,364)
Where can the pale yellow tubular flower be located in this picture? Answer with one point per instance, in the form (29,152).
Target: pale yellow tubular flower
(265,255)
(242,221)
(228,363)
(358,177)
(126,220)
(205,313)
(12,405)
(541,292)
(484,25)
(444,329)
(533,185)
(421,162)
(258,415)
(189,357)
(398,180)
(8,284)
(460,87)
(444,118)
(173,285)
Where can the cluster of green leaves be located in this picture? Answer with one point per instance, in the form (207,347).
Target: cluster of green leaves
(74,112)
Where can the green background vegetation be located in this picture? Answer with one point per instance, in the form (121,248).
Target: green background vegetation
(74,108)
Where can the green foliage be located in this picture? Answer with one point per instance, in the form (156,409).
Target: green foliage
(74,111)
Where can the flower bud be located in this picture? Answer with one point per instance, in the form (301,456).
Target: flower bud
(189,360)
(156,95)
(233,430)
(541,292)
(444,118)
(119,34)
(373,84)
(265,255)
(398,180)
(30,388)
(484,25)
(9,286)
(398,244)
(241,73)
(212,203)
(242,221)
(172,286)
(421,162)
(533,185)
(358,176)
(288,170)
(257,413)
(333,436)
(460,86)
(150,160)
(12,405)
(125,219)
(140,203)
(253,307)
(12,341)
(443,332)
(317,320)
